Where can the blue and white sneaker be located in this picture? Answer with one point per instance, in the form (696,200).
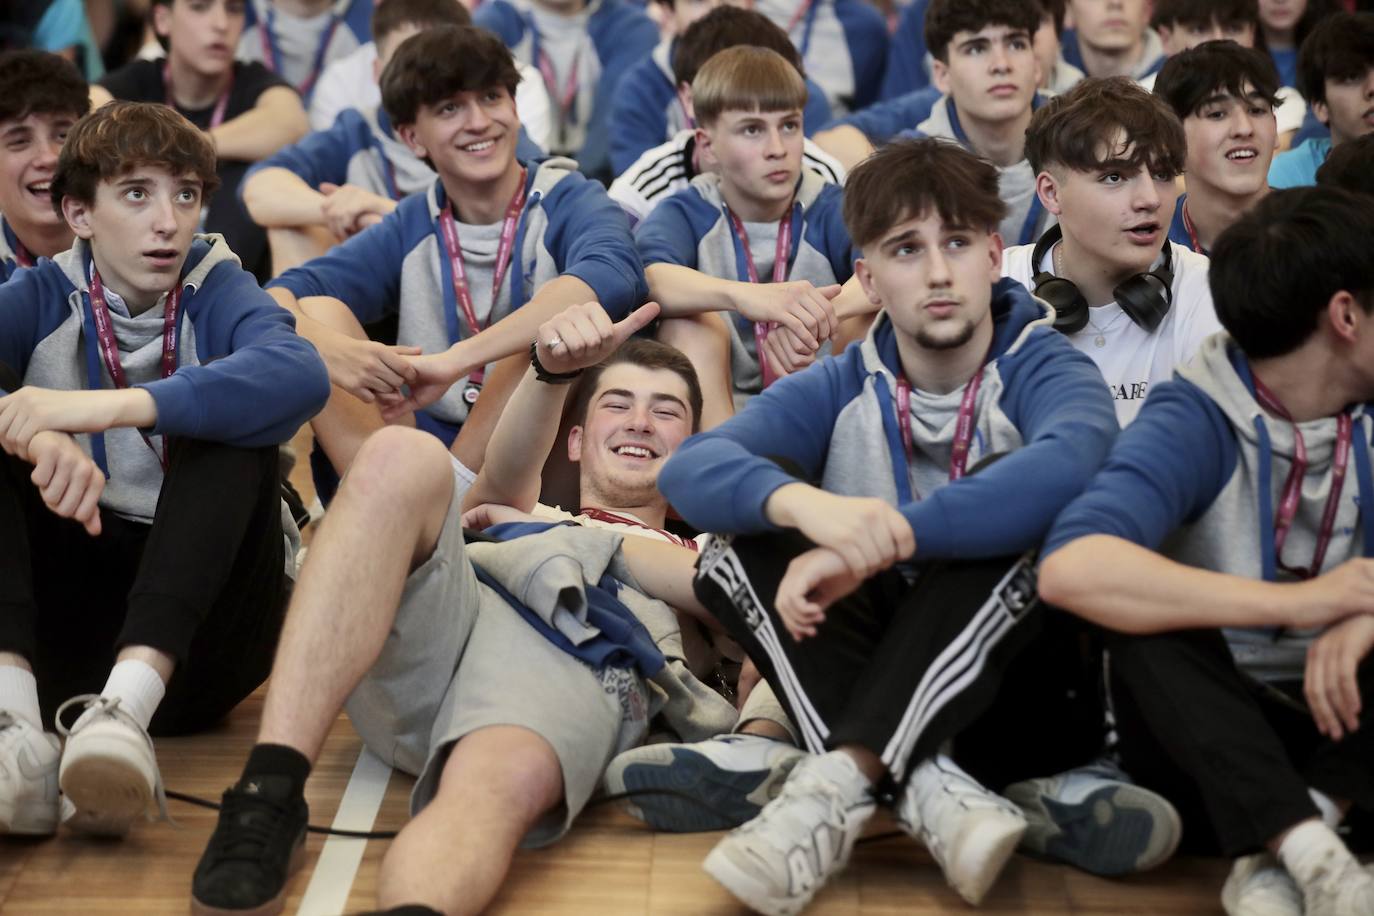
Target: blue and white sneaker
(732,776)
(1096,819)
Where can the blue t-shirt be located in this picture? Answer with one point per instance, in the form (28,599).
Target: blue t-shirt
(1298,167)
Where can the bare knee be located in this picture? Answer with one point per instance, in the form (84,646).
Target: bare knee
(506,767)
(400,464)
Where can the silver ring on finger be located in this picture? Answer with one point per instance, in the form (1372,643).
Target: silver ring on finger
(555,343)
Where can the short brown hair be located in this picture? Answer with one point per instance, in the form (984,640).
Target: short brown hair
(726,27)
(745,78)
(440,61)
(392,15)
(36,81)
(119,137)
(647,354)
(906,179)
(1107,123)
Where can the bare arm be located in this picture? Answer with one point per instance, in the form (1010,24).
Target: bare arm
(846,143)
(277,119)
(683,291)
(278,197)
(664,571)
(1125,587)
(99,95)
(797,305)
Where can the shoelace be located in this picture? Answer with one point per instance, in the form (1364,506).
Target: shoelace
(805,786)
(107,706)
(255,820)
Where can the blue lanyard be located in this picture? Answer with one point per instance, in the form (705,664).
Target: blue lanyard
(388,170)
(273,53)
(1037,209)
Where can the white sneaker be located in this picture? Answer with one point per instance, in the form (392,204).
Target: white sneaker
(1346,889)
(970,831)
(28,777)
(715,784)
(776,862)
(1259,886)
(109,771)
(1096,819)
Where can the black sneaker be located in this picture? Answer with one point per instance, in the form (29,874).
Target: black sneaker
(257,845)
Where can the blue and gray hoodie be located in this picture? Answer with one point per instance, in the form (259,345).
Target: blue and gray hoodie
(645,110)
(244,378)
(1198,475)
(1040,400)
(843,44)
(360,149)
(569,226)
(296,41)
(618,35)
(692,229)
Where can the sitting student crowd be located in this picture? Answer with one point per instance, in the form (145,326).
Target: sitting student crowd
(1044,425)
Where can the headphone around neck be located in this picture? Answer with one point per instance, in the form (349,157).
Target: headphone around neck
(1144,297)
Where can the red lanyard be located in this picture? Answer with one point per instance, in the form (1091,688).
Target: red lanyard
(802,9)
(1192,230)
(21,254)
(601,515)
(221,105)
(963,424)
(565,99)
(1292,487)
(780,257)
(269,50)
(109,346)
(448,227)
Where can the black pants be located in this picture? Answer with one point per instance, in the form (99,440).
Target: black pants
(204,583)
(1233,756)
(896,668)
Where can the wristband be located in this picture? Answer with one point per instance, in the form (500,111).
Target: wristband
(544,375)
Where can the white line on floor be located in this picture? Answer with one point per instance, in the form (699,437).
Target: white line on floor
(339,860)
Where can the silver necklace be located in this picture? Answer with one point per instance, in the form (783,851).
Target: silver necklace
(1100,340)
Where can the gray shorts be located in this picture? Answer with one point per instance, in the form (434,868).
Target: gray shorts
(459,659)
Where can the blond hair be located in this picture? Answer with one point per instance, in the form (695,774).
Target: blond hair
(746,78)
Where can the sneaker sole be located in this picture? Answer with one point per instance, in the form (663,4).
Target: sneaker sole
(993,845)
(108,794)
(1116,830)
(729,798)
(747,890)
(271,907)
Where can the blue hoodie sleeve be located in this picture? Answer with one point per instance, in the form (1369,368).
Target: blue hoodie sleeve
(885,120)
(502,18)
(906,56)
(639,119)
(365,271)
(673,230)
(826,231)
(258,381)
(865,31)
(1165,470)
(1056,397)
(319,157)
(623,36)
(720,480)
(33,303)
(589,237)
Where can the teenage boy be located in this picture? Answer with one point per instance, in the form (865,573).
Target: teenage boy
(1225,96)
(582,49)
(1336,76)
(958,367)
(759,217)
(1185,24)
(1106,156)
(653,103)
(339,181)
(985,67)
(41,97)
(843,44)
(149,384)
(297,39)
(471,268)
(1240,657)
(1113,38)
(667,168)
(462,666)
(248,111)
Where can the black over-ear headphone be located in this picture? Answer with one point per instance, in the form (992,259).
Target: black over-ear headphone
(1145,297)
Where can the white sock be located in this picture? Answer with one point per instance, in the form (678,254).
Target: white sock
(1312,852)
(19,694)
(1331,812)
(139,688)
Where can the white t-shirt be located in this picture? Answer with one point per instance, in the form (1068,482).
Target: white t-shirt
(348,83)
(557,514)
(1131,359)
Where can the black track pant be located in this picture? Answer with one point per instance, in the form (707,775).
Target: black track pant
(1235,757)
(900,668)
(204,583)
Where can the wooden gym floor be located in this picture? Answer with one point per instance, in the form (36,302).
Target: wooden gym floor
(609,865)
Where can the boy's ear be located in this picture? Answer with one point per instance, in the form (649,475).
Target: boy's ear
(865,275)
(162,19)
(939,72)
(708,154)
(575,444)
(1047,188)
(995,248)
(78,216)
(1322,111)
(407,134)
